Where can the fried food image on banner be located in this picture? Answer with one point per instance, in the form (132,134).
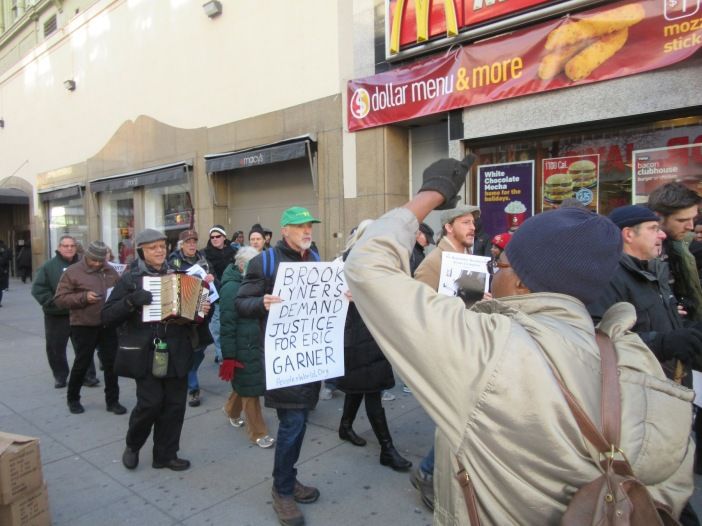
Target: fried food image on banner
(582,46)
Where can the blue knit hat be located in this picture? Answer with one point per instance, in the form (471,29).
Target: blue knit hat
(632,215)
(570,250)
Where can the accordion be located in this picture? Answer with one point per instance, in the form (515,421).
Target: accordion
(174,296)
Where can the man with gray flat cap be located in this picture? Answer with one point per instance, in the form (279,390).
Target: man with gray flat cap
(82,289)
(497,396)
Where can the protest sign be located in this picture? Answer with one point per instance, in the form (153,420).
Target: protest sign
(464,275)
(305,333)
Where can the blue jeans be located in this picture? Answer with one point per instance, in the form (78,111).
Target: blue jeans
(198,356)
(291,430)
(427,463)
(214,331)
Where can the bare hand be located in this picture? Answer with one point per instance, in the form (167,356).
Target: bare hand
(682,311)
(206,307)
(487,296)
(269,299)
(348,295)
(209,278)
(92,297)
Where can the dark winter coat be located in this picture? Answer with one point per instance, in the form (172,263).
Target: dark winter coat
(46,281)
(179,335)
(416,257)
(482,244)
(249,304)
(5,258)
(365,366)
(241,338)
(178,261)
(644,284)
(219,258)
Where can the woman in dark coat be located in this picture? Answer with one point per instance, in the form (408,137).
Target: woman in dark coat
(368,373)
(241,343)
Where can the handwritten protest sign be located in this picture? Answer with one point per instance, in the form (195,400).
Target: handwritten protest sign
(305,333)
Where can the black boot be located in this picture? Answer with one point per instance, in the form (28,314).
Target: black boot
(346,432)
(389,456)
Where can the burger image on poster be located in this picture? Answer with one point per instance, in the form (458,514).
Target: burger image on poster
(584,174)
(558,187)
(515,214)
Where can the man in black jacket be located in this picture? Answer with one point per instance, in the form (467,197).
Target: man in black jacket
(292,404)
(642,280)
(160,400)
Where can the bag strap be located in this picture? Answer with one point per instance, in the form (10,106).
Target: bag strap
(605,441)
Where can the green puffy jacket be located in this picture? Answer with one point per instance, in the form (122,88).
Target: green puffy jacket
(240,338)
(46,281)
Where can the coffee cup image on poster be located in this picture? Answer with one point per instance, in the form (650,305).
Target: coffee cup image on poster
(574,177)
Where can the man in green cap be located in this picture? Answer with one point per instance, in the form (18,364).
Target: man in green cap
(292,404)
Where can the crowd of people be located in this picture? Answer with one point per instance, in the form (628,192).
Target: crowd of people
(489,371)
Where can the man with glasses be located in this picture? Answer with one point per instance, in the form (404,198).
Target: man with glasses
(219,254)
(57,328)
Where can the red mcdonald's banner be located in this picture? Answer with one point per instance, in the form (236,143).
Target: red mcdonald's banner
(623,38)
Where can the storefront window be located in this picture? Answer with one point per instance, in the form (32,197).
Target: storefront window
(168,208)
(612,148)
(67,217)
(117,219)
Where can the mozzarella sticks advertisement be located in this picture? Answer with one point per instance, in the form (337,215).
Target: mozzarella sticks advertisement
(570,177)
(620,39)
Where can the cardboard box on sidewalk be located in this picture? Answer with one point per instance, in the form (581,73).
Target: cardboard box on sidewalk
(32,509)
(20,467)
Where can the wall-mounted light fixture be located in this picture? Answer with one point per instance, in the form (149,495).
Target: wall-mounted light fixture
(2,123)
(69,84)
(212,8)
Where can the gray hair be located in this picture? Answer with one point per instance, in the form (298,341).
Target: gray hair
(244,255)
(357,233)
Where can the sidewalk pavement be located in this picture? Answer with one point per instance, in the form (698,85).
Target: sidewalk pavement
(230,478)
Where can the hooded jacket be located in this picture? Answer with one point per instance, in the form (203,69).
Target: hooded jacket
(249,304)
(46,281)
(495,398)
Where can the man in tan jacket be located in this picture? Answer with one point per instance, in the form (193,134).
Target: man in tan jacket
(488,381)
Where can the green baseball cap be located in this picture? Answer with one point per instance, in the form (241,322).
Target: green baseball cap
(297,215)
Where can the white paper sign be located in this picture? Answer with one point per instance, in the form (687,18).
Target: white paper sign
(464,275)
(697,386)
(197,270)
(305,333)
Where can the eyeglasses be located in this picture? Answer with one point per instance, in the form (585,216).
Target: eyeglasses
(215,237)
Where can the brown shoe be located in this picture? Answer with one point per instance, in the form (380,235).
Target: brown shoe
(304,494)
(287,511)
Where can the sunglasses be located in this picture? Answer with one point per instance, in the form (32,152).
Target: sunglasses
(215,237)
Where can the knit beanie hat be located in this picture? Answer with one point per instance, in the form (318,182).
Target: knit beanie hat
(148,236)
(97,250)
(632,215)
(219,229)
(570,251)
(501,240)
(256,228)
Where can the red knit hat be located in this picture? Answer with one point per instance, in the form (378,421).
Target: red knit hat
(501,240)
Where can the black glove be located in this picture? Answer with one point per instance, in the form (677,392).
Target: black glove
(684,345)
(447,176)
(140,297)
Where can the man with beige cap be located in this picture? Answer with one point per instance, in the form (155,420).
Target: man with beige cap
(83,289)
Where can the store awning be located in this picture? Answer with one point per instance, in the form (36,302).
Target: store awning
(65,192)
(169,173)
(296,148)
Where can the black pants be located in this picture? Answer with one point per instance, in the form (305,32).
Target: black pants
(161,405)
(374,405)
(85,340)
(57,330)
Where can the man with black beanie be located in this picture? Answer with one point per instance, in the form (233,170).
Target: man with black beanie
(505,425)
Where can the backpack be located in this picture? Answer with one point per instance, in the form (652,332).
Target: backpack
(269,265)
(615,498)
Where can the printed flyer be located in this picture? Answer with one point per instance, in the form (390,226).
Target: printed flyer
(570,177)
(505,195)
